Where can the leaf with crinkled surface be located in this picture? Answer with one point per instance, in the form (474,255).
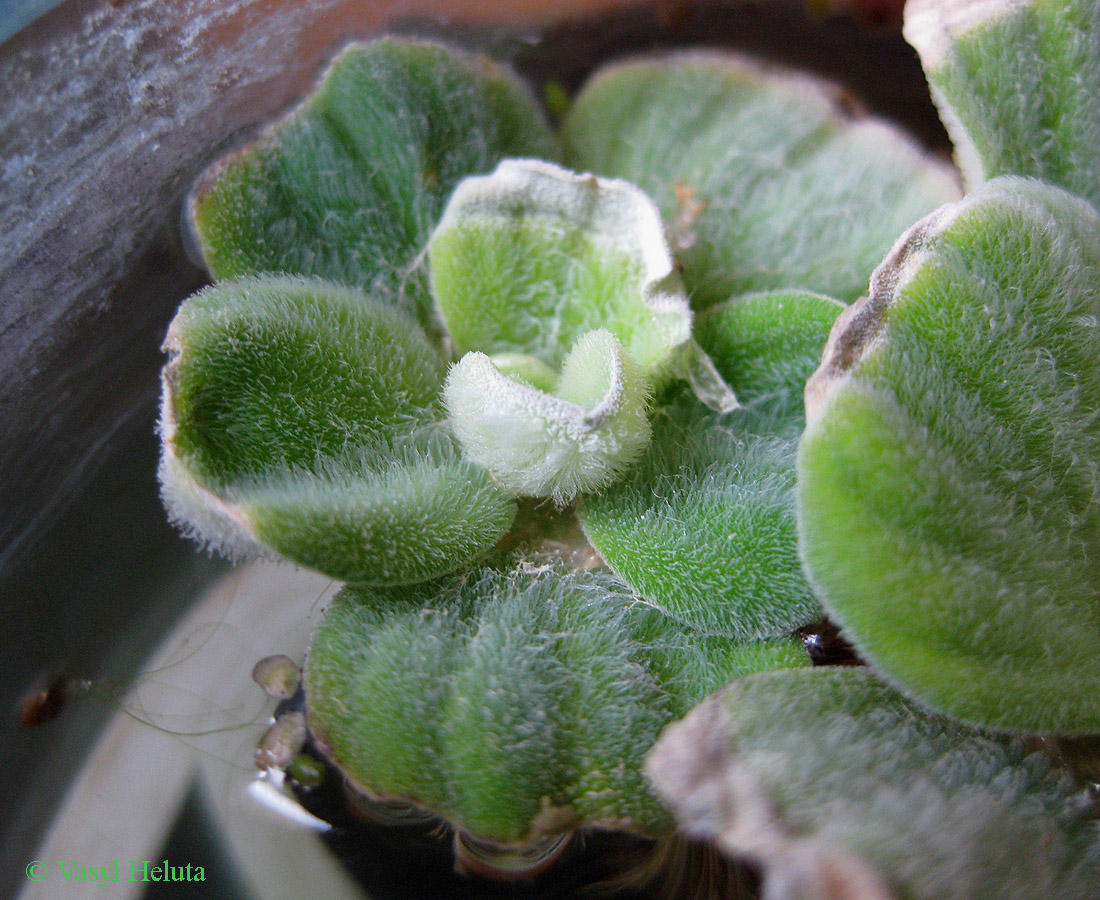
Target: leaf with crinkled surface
(763,180)
(304,417)
(350,185)
(516,703)
(840,789)
(532,257)
(1017,83)
(274,372)
(704,525)
(949,476)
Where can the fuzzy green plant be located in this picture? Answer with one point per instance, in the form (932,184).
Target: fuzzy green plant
(592,423)
(515,701)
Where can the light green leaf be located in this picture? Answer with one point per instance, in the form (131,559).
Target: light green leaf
(304,417)
(400,516)
(704,525)
(949,476)
(533,443)
(1017,83)
(274,373)
(516,703)
(839,788)
(350,185)
(532,257)
(763,180)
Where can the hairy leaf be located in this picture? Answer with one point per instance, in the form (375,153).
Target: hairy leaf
(515,703)
(566,282)
(842,790)
(762,180)
(949,476)
(303,417)
(704,525)
(532,257)
(1017,83)
(766,345)
(275,373)
(350,185)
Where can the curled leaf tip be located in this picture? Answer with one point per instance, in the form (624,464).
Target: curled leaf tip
(557,445)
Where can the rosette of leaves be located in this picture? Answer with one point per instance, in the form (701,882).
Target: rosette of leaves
(419,318)
(308,411)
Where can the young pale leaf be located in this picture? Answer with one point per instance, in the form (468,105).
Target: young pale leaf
(949,476)
(291,405)
(1017,83)
(533,443)
(842,790)
(515,703)
(763,180)
(532,257)
(350,185)
(704,525)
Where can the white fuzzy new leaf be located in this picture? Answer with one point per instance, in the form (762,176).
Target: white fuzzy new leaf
(535,443)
